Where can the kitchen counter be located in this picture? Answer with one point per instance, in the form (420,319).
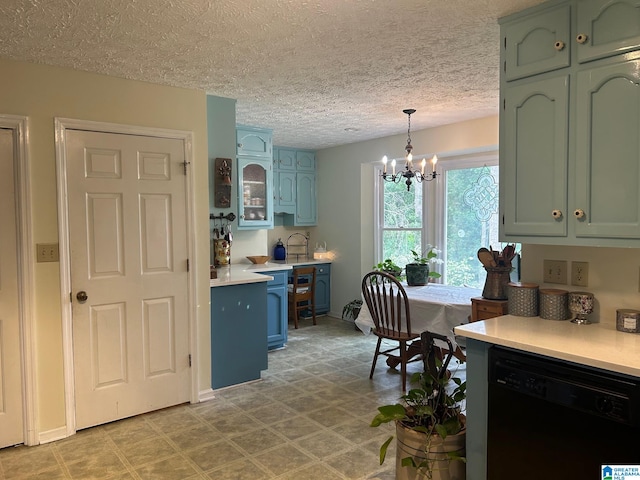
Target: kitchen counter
(242,273)
(598,345)
(294,262)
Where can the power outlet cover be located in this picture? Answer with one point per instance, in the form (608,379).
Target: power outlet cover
(555,271)
(580,274)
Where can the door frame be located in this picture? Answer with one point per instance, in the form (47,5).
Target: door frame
(61,127)
(26,284)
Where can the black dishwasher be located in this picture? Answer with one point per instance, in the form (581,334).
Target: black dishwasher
(553,419)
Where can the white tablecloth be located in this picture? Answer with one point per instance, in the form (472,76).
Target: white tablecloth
(434,307)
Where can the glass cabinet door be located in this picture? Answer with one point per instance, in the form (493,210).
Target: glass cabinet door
(255,202)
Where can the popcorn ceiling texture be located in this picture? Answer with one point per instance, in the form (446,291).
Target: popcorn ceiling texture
(306,69)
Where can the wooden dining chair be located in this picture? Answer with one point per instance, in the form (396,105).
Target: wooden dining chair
(388,305)
(301,295)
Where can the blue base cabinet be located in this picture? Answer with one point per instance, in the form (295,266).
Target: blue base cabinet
(238,333)
(323,286)
(277,310)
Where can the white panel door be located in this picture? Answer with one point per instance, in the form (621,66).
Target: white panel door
(128,248)
(11,412)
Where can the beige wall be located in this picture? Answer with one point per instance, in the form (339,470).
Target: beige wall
(614,275)
(42,93)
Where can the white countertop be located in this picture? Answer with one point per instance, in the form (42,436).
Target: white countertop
(597,345)
(293,261)
(241,273)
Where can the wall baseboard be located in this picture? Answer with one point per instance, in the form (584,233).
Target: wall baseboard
(206,395)
(53,435)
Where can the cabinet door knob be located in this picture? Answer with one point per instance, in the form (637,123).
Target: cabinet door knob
(556,213)
(239,145)
(581,38)
(559,45)
(578,213)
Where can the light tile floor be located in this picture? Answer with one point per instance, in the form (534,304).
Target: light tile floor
(308,419)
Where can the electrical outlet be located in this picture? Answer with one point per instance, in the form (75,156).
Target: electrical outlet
(555,271)
(47,252)
(580,274)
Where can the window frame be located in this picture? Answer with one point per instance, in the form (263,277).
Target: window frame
(433,230)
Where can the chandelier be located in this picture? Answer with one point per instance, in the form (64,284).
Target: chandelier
(409,173)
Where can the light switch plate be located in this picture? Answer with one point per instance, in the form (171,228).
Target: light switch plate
(47,252)
(555,271)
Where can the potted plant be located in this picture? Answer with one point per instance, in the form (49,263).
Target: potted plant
(389,266)
(418,271)
(430,424)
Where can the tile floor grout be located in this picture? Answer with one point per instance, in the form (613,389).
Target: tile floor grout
(307,419)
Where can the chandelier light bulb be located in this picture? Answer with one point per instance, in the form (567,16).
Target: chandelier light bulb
(384,162)
(393,167)
(434,160)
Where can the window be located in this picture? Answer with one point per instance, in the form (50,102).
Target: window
(458,213)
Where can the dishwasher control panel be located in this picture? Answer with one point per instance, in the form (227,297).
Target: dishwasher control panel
(590,390)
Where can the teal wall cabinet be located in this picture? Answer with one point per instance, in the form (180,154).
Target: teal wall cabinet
(277,309)
(254,142)
(569,154)
(255,178)
(238,333)
(295,186)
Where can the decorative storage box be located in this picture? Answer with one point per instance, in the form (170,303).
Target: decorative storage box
(523,299)
(628,320)
(554,304)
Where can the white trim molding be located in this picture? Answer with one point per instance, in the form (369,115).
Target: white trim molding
(20,127)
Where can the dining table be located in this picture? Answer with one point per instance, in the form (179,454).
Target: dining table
(433,307)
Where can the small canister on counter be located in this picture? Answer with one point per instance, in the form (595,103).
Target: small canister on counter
(554,304)
(523,299)
(628,320)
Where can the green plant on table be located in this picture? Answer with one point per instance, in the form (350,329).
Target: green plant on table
(431,257)
(389,266)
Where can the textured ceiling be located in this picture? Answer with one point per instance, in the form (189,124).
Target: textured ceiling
(311,70)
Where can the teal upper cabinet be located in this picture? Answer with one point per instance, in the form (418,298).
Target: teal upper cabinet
(305,161)
(255,178)
(569,149)
(254,142)
(608,151)
(607,27)
(305,201)
(537,43)
(295,186)
(535,142)
(255,199)
(284,159)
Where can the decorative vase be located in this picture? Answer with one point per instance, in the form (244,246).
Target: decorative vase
(417,274)
(414,444)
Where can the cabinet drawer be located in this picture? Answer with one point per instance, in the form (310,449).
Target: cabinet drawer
(486,315)
(489,308)
(279,278)
(483,309)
